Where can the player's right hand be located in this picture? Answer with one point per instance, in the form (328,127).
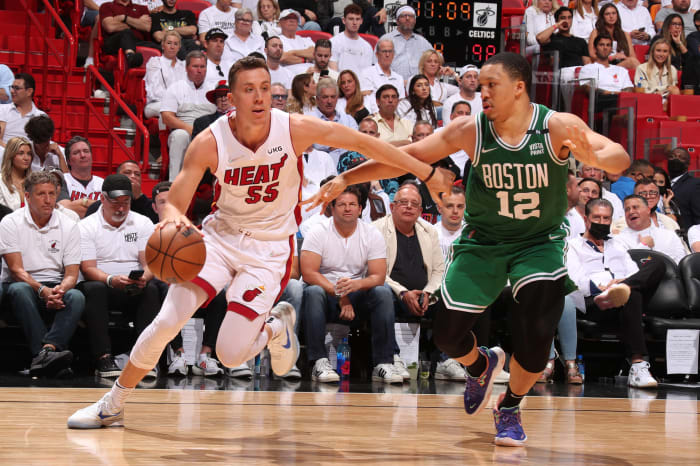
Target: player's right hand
(440,184)
(180,221)
(327,193)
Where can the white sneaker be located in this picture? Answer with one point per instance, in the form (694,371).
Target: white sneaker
(99,414)
(450,369)
(502,377)
(207,366)
(640,377)
(178,365)
(323,372)
(386,373)
(284,348)
(100,94)
(400,367)
(242,371)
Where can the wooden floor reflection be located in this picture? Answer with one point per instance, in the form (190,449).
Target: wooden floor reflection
(217,427)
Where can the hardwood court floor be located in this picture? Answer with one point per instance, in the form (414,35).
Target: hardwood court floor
(228,427)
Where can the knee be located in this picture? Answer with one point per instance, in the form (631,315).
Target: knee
(294,292)
(179,137)
(75,300)
(230,357)
(314,297)
(382,300)
(20,290)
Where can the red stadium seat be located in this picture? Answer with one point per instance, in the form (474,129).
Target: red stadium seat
(684,105)
(195,6)
(694,151)
(371,39)
(314,35)
(641,51)
(648,113)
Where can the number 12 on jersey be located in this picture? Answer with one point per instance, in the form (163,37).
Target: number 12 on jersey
(525,205)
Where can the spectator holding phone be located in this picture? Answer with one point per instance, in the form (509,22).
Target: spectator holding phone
(636,21)
(113,244)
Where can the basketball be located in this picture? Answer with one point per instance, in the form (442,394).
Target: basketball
(175,255)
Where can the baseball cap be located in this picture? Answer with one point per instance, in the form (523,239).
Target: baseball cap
(215,32)
(469,68)
(405,9)
(220,89)
(287,12)
(116,185)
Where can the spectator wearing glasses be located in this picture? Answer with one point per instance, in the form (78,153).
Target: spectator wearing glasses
(6,80)
(680,8)
(672,31)
(274,49)
(214,43)
(373,77)
(279,96)
(408,45)
(648,189)
(244,39)
(15,116)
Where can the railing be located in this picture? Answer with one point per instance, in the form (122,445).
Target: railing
(69,52)
(141,141)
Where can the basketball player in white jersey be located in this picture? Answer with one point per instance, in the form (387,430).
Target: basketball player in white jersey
(253,153)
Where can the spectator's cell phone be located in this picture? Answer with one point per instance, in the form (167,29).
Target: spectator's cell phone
(420,299)
(641,29)
(135,274)
(663,190)
(323,73)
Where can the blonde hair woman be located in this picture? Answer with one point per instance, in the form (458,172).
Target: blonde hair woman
(431,65)
(16,165)
(585,16)
(658,75)
(268,17)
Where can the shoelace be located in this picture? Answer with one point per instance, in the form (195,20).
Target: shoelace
(508,420)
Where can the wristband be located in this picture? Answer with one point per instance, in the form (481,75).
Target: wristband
(402,294)
(432,172)
(41,288)
(109,280)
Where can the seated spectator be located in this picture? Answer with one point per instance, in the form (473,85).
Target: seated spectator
(642,234)
(568,337)
(351,100)
(81,187)
(380,73)
(15,116)
(672,31)
(219,97)
(244,39)
(538,17)
(306,10)
(588,171)
(658,75)
(639,169)
(326,101)
(460,158)
(431,65)
(691,73)
(279,96)
(183,103)
(273,51)
(686,188)
(41,250)
(218,16)
(113,244)
(694,238)
(468,84)
(609,78)
(298,50)
(418,104)
(318,165)
(184,22)
(125,26)
(330,16)
(588,189)
(46,154)
(415,267)
(303,98)
(451,219)
(648,189)
(343,262)
(680,8)
(585,17)
(621,50)
(667,204)
(408,45)
(217,69)
(16,165)
(268,18)
(6,80)
(321,60)
(611,288)
(392,128)
(693,39)
(350,51)
(636,21)
(161,73)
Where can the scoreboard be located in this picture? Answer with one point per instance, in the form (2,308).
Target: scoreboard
(464,31)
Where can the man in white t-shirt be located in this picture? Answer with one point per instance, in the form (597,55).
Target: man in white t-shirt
(588,189)
(451,219)
(343,263)
(468,84)
(636,20)
(611,79)
(373,77)
(47,153)
(298,51)
(694,238)
(81,187)
(41,251)
(278,74)
(587,171)
(113,244)
(220,15)
(322,58)
(14,116)
(184,102)
(350,51)
(242,42)
(642,234)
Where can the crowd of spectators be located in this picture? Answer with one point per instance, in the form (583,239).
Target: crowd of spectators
(73,243)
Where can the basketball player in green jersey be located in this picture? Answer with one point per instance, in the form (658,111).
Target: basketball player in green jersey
(515,229)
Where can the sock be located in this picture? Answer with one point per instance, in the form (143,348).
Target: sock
(477,367)
(511,400)
(276,325)
(118,395)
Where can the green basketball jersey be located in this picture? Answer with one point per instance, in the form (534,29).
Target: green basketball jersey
(516,193)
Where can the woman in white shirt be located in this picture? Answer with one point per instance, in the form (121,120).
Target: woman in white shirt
(658,75)
(538,17)
(418,104)
(268,18)
(161,73)
(585,16)
(431,66)
(16,165)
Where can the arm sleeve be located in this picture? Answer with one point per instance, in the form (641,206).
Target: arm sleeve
(87,243)
(147,229)
(73,253)
(313,241)
(204,23)
(377,245)
(153,81)
(169,102)
(8,237)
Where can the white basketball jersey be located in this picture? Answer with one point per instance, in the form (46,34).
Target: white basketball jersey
(258,191)
(76,190)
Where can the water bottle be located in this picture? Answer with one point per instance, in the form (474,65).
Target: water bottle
(581,366)
(343,359)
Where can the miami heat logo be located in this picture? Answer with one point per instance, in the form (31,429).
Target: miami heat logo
(253,293)
(54,246)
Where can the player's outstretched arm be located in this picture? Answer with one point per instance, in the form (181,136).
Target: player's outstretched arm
(570,133)
(200,155)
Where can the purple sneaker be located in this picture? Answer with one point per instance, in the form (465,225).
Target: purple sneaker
(478,389)
(509,427)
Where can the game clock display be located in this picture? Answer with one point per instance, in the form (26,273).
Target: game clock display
(465,32)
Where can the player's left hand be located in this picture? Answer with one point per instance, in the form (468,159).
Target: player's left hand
(326,194)
(440,184)
(580,146)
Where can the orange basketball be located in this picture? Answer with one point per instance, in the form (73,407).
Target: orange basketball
(175,255)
